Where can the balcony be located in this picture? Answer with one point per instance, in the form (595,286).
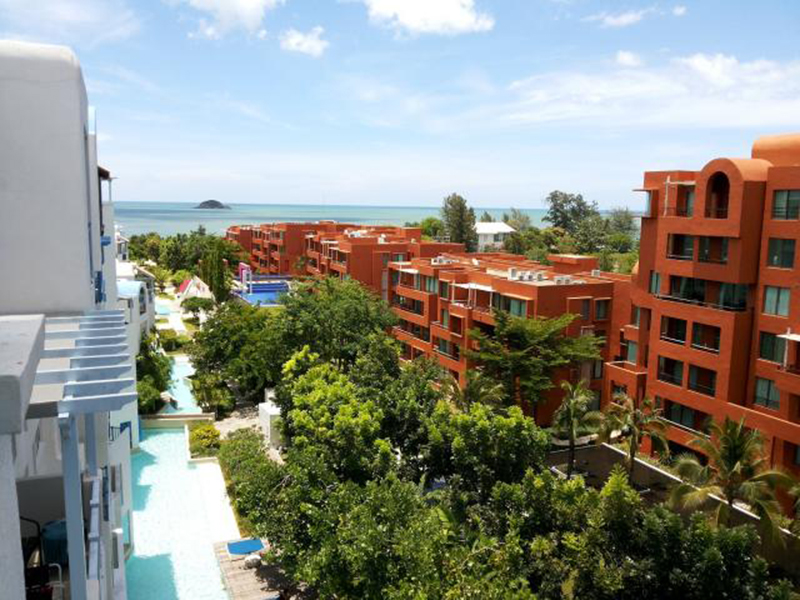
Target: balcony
(684,300)
(680,256)
(672,378)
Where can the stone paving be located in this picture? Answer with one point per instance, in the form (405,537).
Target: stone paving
(267,582)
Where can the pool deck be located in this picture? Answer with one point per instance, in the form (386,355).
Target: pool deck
(263,583)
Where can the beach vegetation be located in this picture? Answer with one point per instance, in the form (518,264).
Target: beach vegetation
(204,439)
(459,222)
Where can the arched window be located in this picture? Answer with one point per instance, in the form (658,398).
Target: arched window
(717,193)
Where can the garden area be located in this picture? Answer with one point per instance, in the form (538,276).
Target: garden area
(397,484)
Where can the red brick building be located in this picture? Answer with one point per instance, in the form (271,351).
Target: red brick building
(714,322)
(439,300)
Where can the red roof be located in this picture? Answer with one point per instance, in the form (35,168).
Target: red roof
(184,285)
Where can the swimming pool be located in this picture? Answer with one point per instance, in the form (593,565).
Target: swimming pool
(162,309)
(265,293)
(181,388)
(179,511)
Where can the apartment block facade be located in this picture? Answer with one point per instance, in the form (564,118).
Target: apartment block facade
(714,323)
(439,300)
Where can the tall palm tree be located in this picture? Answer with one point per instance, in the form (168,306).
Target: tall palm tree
(736,470)
(636,423)
(574,417)
(480,389)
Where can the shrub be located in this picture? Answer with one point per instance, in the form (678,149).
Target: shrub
(152,363)
(179,276)
(212,395)
(203,439)
(149,396)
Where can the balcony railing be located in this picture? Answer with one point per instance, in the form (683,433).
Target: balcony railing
(671,298)
(705,348)
(678,256)
(712,259)
(719,212)
(677,211)
(672,340)
(670,378)
(702,388)
(686,428)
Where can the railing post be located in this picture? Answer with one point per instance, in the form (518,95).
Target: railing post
(73,504)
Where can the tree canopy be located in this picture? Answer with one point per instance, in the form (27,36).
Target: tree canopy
(459,222)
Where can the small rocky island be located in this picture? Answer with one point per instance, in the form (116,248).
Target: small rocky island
(213,204)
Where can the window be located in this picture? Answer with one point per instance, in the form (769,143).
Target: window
(780,253)
(786,204)
(680,247)
(398,257)
(733,296)
(431,285)
(445,318)
(687,288)
(713,250)
(705,337)
(636,316)
(688,203)
(601,310)
(771,347)
(586,310)
(632,352)
(797,455)
(655,282)
(683,415)
(518,308)
(673,330)
(444,289)
(594,404)
(395,277)
(776,301)
(670,370)
(766,394)
(702,380)
(597,369)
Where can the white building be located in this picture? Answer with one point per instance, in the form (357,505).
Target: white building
(67,374)
(492,235)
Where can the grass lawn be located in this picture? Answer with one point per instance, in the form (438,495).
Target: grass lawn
(191,325)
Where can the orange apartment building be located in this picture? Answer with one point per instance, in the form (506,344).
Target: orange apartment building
(714,322)
(439,300)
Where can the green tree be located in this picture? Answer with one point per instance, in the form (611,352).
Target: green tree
(334,318)
(214,271)
(459,222)
(486,217)
(590,234)
(144,247)
(152,363)
(162,277)
(149,396)
(566,211)
(737,469)
(518,220)
(211,394)
(196,305)
(523,354)
(573,417)
(179,276)
(479,389)
(432,227)
(636,423)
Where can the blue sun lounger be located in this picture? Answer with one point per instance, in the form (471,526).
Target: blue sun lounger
(248,546)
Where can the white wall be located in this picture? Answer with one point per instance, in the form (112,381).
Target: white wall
(11,567)
(44,170)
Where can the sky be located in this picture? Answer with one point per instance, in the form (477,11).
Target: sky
(401,102)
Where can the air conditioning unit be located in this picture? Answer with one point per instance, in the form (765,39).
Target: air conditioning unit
(541,276)
(596,272)
(559,280)
(577,282)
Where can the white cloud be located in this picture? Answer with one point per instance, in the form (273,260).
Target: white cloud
(679,10)
(75,22)
(628,59)
(623,19)
(222,17)
(447,17)
(695,91)
(310,43)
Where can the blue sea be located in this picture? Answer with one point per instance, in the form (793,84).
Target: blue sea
(168,218)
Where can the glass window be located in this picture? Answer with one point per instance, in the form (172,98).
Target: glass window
(601,309)
(689,203)
(398,257)
(767,394)
(445,318)
(780,253)
(776,301)
(705,337)
(385,259)
(702,380)
(632,352)
(771,347)
(431,285)
(597,369)
(670,370)
(518,308)
(636,316)
(444,289)
(586,307)
(786,204)
(678,413)
(797,455)
(655,283)
(733,295)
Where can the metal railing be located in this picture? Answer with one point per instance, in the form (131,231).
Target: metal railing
(670,378)
(705,348)
(672,340)
(703,389)
(675,256)
(677,211)
(718,212)
(712,259)
(670,297)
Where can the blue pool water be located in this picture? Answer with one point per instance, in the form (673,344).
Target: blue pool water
(265,294)
(181,388)
(162,309)
(173,555)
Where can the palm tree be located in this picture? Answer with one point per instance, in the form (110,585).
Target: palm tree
(480,389)
(736,470)
(636,423)
(573,416)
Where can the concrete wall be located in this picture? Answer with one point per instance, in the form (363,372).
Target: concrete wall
(11,567)
(45,172)
(268,415)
